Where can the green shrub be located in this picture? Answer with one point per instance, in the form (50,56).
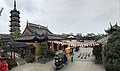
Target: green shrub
(97,52)
(44,48)
(29,58)
(11,63)
(112,52)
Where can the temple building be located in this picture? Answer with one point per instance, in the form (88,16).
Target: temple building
(14,25)
(36,34)
(89,36)
(15,20)
(31,28)
(4,39)
(112,28)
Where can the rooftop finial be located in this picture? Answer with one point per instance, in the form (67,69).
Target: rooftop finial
(27,23)
(110,24)
(14,4)
(116,23)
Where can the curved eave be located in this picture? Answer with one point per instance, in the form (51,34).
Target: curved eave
(30,38)
(14,11)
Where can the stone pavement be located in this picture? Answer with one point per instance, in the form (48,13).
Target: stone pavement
(34,67)
(87,64)
(83,66)
(84,54)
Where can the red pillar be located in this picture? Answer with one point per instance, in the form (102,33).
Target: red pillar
(52,45)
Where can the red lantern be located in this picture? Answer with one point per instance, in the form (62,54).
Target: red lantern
(3,66)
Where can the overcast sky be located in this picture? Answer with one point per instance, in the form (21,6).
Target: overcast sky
(64,16)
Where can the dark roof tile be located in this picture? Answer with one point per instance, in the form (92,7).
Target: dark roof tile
(38,28)
(54,37)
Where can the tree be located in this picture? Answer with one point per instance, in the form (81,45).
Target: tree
(29,58)
(16,33)
(112,52)
(97,52)
(79,36)
(11,63)
(45,50)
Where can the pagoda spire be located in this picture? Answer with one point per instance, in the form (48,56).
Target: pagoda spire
(15,4)
(14,20)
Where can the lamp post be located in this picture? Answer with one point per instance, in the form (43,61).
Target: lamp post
(11,49)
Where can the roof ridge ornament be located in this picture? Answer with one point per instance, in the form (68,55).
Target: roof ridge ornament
(27,23)
(110,24)
(116,24)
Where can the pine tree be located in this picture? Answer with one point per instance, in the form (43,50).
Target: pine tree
(112,52)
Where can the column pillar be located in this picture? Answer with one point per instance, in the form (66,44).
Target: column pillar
(37,49)
(52,46)
(58,46)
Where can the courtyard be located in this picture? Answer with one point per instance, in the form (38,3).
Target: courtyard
(79,64)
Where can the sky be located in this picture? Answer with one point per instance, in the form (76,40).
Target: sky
(63,16)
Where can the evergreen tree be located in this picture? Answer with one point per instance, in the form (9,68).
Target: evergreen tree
(112,52)
(16,33)
(97,52)
(45,50)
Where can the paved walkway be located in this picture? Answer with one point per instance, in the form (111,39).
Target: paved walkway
(78,64)
(83,54)
(34,67)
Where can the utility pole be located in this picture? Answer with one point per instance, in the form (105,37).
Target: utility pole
(1,11)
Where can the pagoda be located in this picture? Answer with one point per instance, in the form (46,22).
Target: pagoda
(14,22)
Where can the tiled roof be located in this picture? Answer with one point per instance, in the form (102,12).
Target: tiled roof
(17,44)
(54,37)
(25,37)
(30,37)
(116,26)
(38,29)
(38,37)
(4,35)
(10,45)
(103,39)
(112,28)
(39,33)
(90,35)
(5,40)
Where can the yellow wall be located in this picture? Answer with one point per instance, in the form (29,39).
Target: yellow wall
(37,47)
